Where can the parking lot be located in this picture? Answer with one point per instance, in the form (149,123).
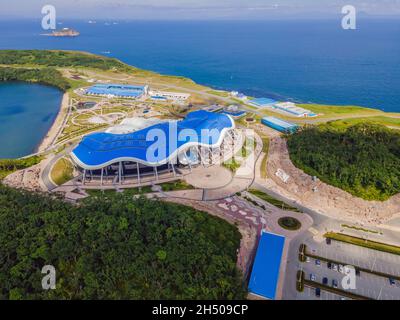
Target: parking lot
(358,256)
(367,285)
(309,294)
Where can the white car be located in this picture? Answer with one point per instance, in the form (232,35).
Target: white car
(334,267)
(341,269)
(312,277)
(308,259)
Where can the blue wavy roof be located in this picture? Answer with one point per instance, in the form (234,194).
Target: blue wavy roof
(100,149)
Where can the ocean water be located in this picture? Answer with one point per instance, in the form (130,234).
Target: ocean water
(305,61)
(27,112)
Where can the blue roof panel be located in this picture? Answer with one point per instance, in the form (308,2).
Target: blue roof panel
(263,101)
(116,89)
(100,149)
(265,274)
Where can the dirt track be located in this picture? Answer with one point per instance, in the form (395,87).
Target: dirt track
(326,199)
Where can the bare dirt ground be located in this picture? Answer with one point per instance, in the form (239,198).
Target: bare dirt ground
(265,131)
(28,179)
(326,199)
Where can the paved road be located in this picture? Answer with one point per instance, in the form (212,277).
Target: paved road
(45,175)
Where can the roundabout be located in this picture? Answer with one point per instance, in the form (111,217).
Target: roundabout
(289,223)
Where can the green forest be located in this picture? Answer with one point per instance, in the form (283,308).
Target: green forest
(8,166)
(363,159)
(115,247)
(61,59)
(47,76)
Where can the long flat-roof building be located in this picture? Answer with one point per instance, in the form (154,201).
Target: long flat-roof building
(279,124)
(117,90)
(292,109)
(164,95)
(265,272)
(262,102)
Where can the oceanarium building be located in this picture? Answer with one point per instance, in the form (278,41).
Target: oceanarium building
(202,138)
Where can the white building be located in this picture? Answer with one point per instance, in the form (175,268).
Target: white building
(293,109)
(158,95)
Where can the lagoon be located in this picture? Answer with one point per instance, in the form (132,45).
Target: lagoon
(27,111)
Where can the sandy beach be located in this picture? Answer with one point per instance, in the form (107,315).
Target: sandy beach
(51,135)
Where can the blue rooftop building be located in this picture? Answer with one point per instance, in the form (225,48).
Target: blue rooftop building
(265,273)
(279,124)
(117,90)
(262,102)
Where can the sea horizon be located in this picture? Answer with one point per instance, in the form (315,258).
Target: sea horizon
(300,60)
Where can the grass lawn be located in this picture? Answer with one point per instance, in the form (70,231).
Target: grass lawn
(379,246)
(176,186)
(8,166)
(223,94)
(234,163)
(168,186)
(130,191)
(382,120)
(62,171)
(275,202)
(5,173)
(331,111)
(360,229)
(289,223)
(265,149)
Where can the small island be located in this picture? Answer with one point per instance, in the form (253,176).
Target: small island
(65,32)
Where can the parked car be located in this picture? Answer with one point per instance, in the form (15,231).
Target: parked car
(325,281)
(312,277)
(318,292)
(318,263)
(328,241)
(392,281)
(334,283)
(341,270)
(329,265)
(308,259)
(358,273)
(334,267)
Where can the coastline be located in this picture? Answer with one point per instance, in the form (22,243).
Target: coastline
(200,89)
(55,128)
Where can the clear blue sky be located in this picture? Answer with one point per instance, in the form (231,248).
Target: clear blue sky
(195,9)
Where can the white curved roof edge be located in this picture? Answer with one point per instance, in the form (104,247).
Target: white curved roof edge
(133,124)
(160,163)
